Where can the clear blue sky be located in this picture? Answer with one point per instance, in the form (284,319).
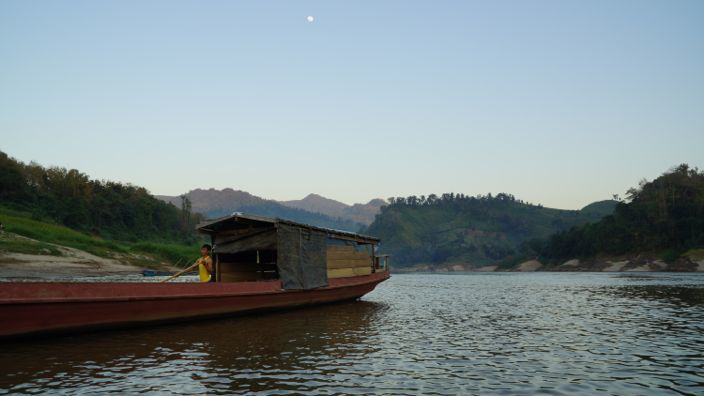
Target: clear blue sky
(558,102)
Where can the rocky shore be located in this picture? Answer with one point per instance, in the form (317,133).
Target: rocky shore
(692,261)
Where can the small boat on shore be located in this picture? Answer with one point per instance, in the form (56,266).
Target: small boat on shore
(261,264)
(149,272)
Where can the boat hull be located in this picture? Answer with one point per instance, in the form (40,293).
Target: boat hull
(40,308)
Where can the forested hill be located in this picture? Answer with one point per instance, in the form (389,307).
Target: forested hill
(664,216)
(101,208)
(454,228)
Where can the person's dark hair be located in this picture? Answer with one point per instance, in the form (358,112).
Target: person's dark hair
(207,247)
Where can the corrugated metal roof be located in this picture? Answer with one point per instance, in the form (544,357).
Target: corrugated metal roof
(210,226)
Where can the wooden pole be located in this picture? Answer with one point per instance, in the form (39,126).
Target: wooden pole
(181,272)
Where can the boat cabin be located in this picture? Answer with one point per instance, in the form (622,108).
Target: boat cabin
(252,248)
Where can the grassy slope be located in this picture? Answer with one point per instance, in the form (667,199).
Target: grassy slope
(15,244)
(46,233)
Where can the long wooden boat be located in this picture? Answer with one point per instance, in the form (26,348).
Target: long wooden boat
(39,308)
(261,264)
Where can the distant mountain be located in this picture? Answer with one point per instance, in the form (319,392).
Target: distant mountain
(214,203)
(317,203)
(473,231)
(358,213)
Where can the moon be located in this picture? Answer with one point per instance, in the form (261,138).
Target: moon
(310,18)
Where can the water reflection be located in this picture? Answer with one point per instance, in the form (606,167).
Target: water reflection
(430,334)
(197,357)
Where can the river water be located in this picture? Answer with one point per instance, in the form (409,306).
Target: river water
(549,333)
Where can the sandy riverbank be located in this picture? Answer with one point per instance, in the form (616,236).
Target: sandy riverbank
(71,263)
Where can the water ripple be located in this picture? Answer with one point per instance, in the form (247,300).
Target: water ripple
(417,334)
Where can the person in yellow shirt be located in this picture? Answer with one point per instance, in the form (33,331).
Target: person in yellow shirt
(205,264)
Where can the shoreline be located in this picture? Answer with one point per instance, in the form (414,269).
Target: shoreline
(72,263)
(692,261)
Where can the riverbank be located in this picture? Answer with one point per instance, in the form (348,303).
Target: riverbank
(691,261)
(32,259)
(24,234)
(40,260)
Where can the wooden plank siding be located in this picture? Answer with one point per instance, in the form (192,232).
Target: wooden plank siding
(347,272)
(345,261)
(366,262)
